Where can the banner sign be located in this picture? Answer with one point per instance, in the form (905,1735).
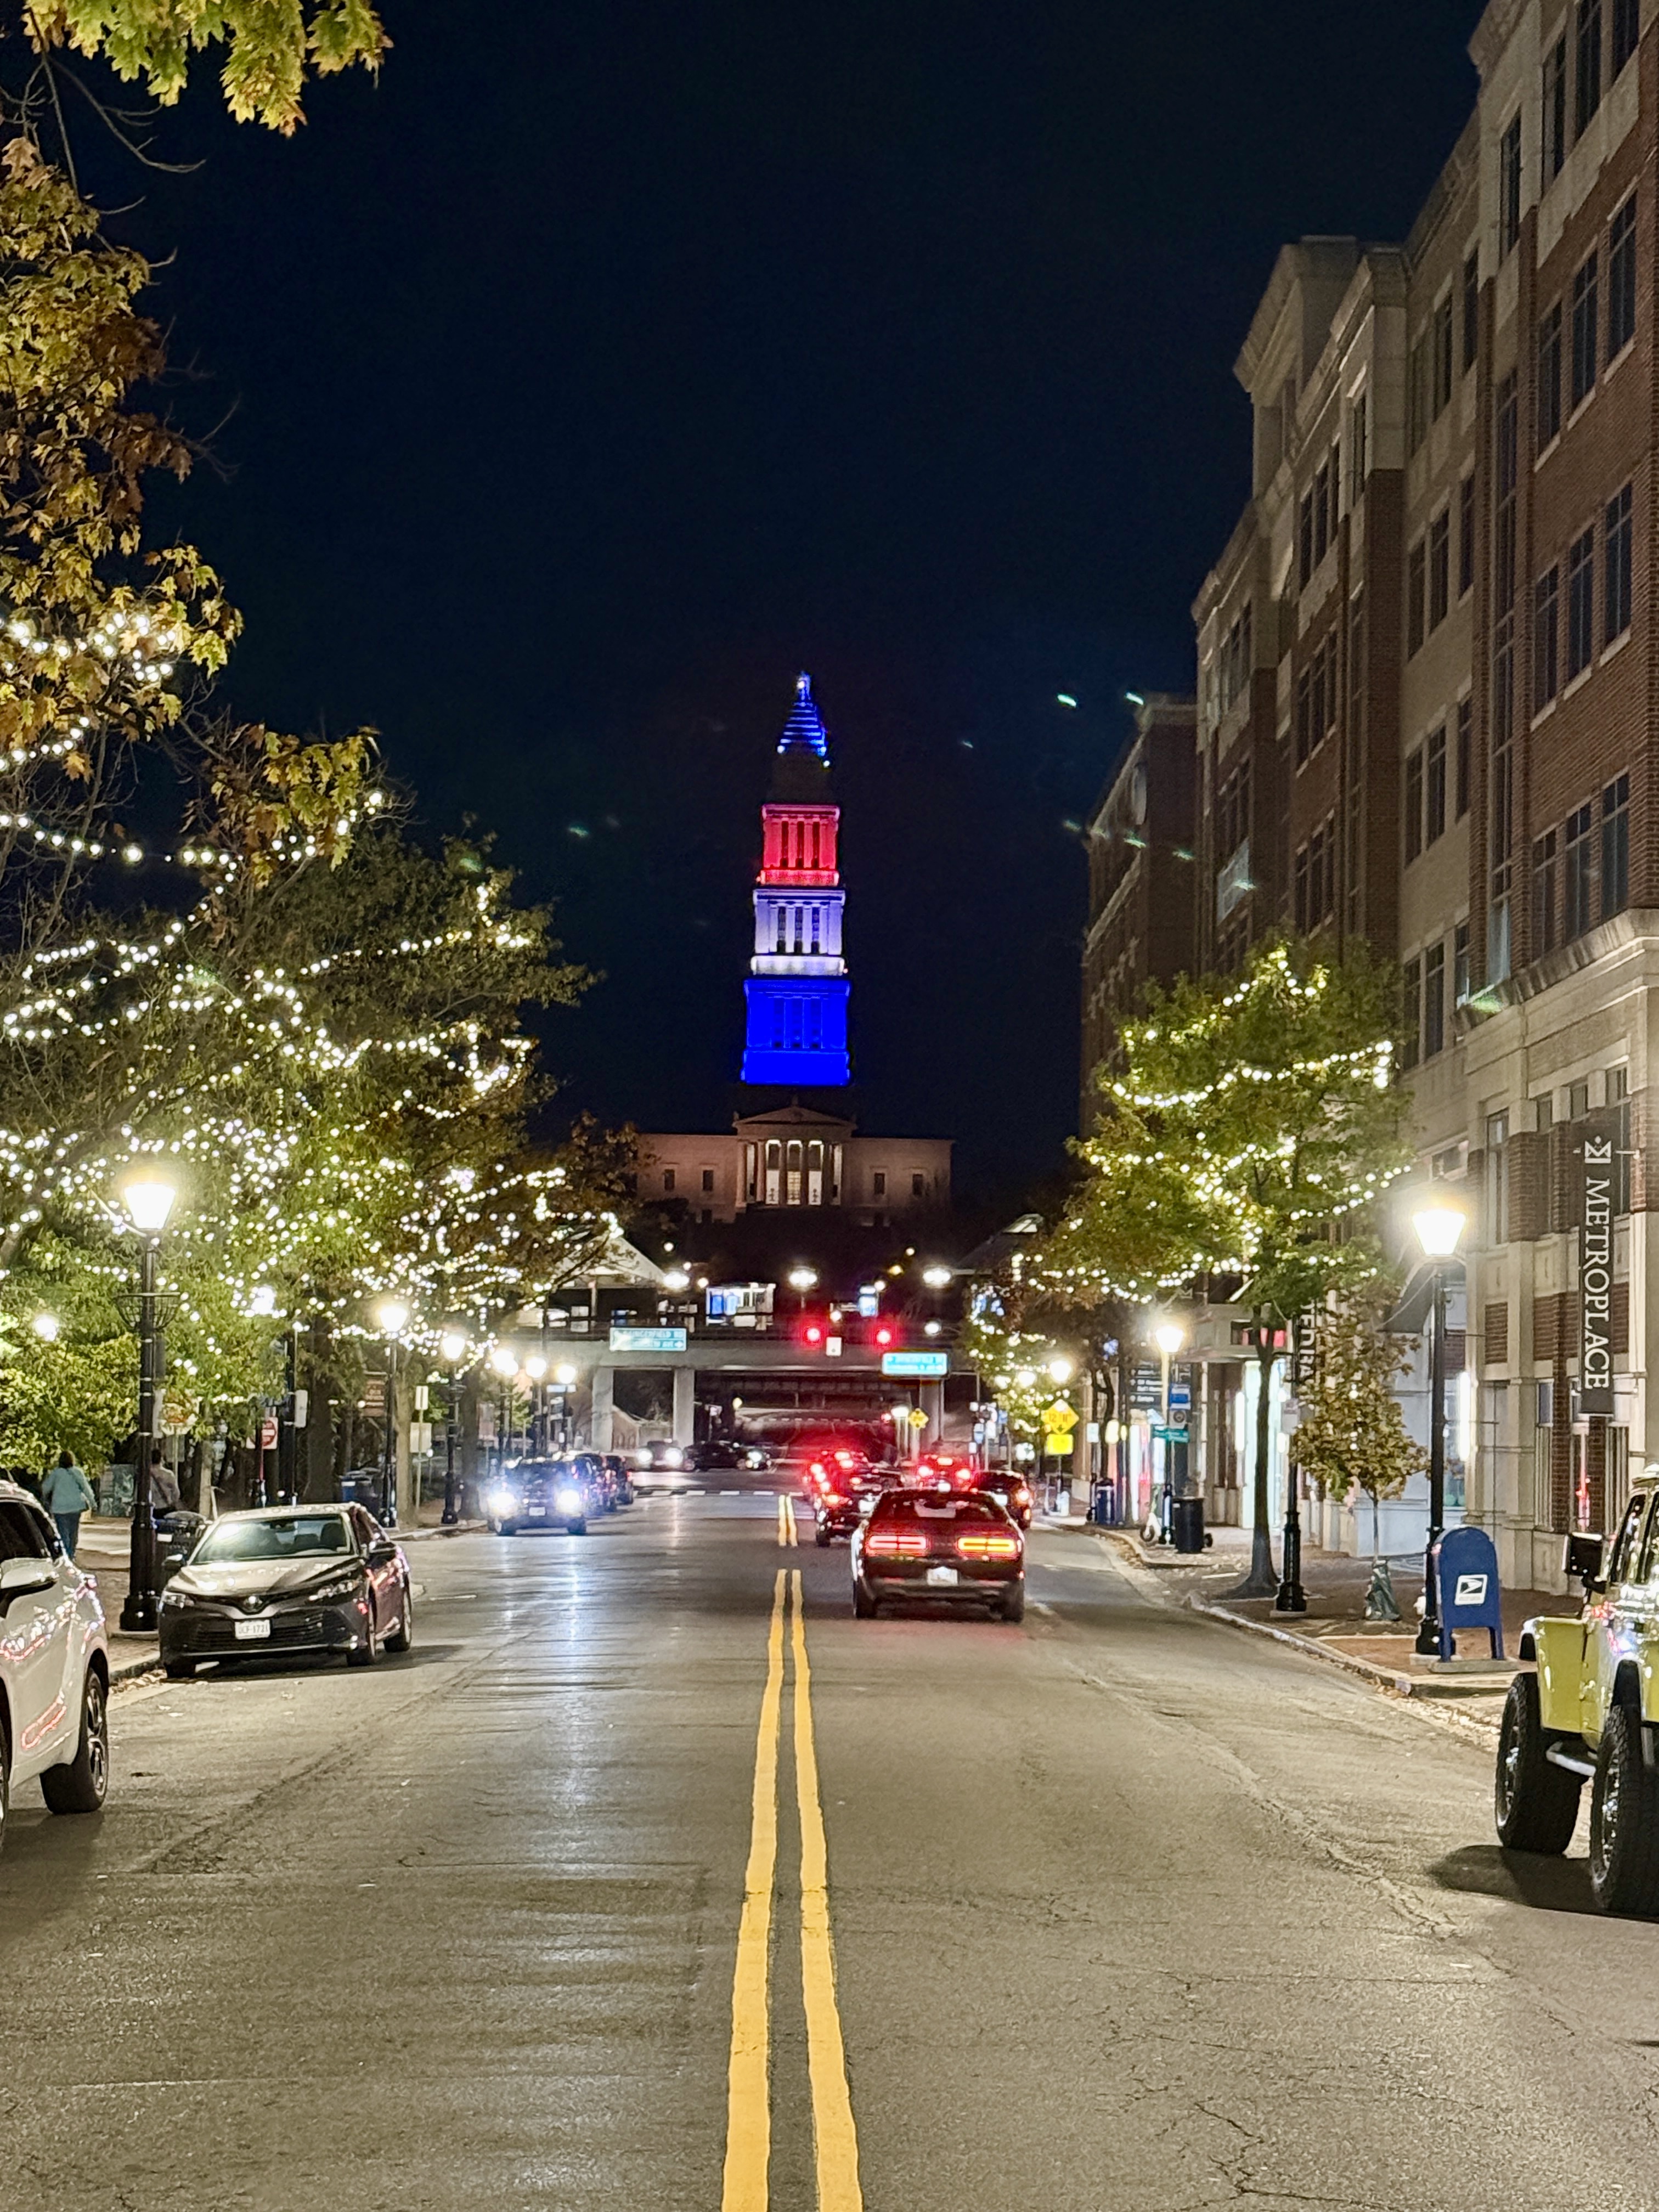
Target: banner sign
(1597,1148)
(916,1366)
(624,1339)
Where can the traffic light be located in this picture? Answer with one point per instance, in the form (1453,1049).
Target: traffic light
(813,1332)
(884,1336)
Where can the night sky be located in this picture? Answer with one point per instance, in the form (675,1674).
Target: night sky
(586,378)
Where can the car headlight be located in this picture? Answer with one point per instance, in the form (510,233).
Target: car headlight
(502,1499)
(341,1586)
(174,1600)
(568,1501)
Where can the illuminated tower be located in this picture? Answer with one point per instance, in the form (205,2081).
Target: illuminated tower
(797,987)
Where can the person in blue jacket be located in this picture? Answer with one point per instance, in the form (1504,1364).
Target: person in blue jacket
(66,1494)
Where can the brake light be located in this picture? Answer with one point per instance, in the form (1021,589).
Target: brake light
(897,1543)
(991,1546)
(1022,1495)
(819,1469)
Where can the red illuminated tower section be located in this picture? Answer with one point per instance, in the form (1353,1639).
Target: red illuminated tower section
(797,989)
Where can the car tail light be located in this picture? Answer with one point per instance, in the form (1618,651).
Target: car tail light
(1022,1495)
(832,1498)
(992,1545)
(897,1543)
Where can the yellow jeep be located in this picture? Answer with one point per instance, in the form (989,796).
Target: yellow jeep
(1589,1712)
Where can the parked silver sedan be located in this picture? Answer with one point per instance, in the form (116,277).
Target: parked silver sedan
(289,1579)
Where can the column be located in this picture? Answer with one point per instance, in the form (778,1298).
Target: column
(685,1405)
(933,1404)
(600,1407)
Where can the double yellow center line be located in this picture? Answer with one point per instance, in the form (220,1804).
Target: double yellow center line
(788,1537)
(749,2120)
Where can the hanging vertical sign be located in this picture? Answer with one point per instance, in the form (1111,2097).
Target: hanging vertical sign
(1597,1148)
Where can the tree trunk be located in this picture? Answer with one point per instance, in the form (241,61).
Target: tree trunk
(322,1484)
(1262,1581)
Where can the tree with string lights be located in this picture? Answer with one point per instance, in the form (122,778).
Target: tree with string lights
(1253,1127)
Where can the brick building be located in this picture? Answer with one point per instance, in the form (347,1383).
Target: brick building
(1140,839)
(1429,702)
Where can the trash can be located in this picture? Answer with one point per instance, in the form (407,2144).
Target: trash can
(1187,1523)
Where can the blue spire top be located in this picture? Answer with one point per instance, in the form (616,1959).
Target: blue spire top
(804,732)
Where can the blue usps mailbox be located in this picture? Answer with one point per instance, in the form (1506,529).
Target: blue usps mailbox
(1466,1567)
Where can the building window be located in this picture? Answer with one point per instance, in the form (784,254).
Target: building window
(1587,86)
(1417,394)
(1580,603)
(879,1184)
(1616,566)
(1442,356)
(668,1178)
(1416,579)
(1509,189)
(1466,536)
(1434,785)
(1555,109)
(1545,639)
(1585,313)
(1358,447)
(1497,1182)
(1323,515)
(1615,847)
(1439,568)
(917,1186)
(708,1178)
(1627,30)
(1471,310)
(1410,1012)
(1461,964)
(1621,278)
(1465,754)
(1576,917)
(1543,894)
(1434,1001)
(1305,540)
(1414,803)
(1549,376)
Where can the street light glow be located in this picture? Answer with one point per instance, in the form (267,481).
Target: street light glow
(453,1345)
(392,1314)
(676,1280)
(1438,1227)
(937,1278)
(1168,1336)
(47,1327)
(535,1367)
(802,1279)
(564,1376)
(504,1362)
(148,1199)
(1059,1369)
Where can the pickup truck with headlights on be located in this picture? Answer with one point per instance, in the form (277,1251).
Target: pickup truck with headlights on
(1586,1710)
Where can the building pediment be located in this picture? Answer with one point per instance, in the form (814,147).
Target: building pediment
(795,1117)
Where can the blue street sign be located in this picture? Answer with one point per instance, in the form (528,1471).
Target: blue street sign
(1465,1575)
(625,1339)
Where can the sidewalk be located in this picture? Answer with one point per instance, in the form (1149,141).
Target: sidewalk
(105,1548)
(1334,1628)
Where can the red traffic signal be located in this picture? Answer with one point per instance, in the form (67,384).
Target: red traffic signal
(885,1334)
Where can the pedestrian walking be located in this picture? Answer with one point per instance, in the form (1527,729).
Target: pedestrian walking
(66,1494)
(163,1485)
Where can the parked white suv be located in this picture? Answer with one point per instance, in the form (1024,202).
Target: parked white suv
(54,1666)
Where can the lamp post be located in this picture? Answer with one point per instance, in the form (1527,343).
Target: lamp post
(565,1376)
(1169,1337)
(453,1345)
(1291,1597)
(536,1368)
(392,1314)
(148,1201)
(503,1366)
(1438,1227)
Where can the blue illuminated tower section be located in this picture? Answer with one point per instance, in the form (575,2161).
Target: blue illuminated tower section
(797,988)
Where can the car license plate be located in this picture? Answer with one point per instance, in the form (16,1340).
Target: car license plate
(251,1632)
(942,1577)
(537,1512)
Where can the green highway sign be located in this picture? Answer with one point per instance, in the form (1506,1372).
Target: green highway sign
(1169,1435)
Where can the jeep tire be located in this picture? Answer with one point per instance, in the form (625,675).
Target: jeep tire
(1624,1838)
(1535,1804)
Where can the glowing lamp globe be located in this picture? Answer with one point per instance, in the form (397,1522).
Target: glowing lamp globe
(802,1279)
(676,1280)
(453,1345)
(1438,1227)
(504,1362)
(535,1367)
(1169,1339)
(47,1327)
(1060,1371)
(937,1278)
(148,1199)
(565,1376)
(392,1314)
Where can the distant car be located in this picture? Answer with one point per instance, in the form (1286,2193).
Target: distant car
(943,1548)
(54,1665)
(1010,1491)
(538,1494)
(289,1578)
(754,1459)
(844,1490)
(623,1475)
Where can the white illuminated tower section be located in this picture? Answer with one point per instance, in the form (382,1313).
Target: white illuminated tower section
(797,989)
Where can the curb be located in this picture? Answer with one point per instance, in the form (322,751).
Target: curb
(134,1670)
(1403,1688)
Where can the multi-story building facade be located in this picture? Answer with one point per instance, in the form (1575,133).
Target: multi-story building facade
(1140,839)
(1429,704)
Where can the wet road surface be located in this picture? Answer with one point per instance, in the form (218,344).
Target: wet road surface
(653,1880)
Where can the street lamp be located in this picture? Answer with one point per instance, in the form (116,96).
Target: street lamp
(1168,1336)
(149,1200)
(451,1346)
(503,1366)
(392,1315)
(937,1278)
(1438,1227)
(676,1280)
(802,1279)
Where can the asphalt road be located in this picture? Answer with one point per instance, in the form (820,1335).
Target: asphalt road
(1127,1909)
